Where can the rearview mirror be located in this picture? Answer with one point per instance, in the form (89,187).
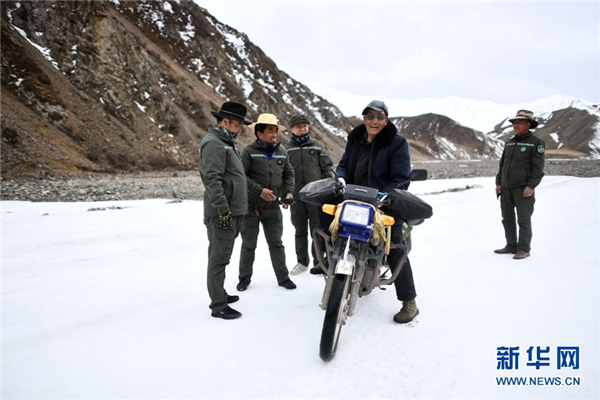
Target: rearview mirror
(418,175)
(325,160)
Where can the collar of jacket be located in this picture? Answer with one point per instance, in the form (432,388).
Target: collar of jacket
(517,137)
(384,138)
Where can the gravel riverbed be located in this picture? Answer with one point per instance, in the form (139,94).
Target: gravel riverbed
(187,185)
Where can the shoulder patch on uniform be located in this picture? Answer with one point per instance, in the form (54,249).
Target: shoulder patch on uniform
(540,149)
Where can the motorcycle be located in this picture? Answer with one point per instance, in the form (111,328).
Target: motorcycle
(356,243)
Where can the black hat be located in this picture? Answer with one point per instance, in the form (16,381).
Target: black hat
(299,119)
(232,110)
(376,105)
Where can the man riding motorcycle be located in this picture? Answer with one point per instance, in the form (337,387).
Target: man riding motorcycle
(377,157)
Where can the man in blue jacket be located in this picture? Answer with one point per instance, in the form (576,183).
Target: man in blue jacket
(377,157)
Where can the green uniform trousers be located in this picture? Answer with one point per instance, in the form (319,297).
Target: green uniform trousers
(272,221)
(510,199)
(220,247)
(303,216)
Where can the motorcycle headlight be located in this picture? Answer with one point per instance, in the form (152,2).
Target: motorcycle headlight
(357,214)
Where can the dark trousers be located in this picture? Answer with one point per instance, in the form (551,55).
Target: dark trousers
(220,247)
(404,283)
(272,221)
(304,216)
(510,199)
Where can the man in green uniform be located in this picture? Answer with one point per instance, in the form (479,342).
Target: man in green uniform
(303,152)
(521,171)
(225,200)
(270,177)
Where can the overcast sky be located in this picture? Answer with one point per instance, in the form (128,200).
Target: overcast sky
(506,52)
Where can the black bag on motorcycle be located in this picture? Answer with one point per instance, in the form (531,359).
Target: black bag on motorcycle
(323,191)
(409,207)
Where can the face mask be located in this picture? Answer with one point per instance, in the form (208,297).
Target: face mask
(301,139)
(267,146)
(226,132)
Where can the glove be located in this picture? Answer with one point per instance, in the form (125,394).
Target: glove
(383,196)
(286,201)
(342,181)
(225,220)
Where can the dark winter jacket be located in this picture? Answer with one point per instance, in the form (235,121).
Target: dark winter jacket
(222,173)
(389,161)
(304,158)
(522,162)
(262,171)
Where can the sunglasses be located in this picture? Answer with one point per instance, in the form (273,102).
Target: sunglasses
(371,117)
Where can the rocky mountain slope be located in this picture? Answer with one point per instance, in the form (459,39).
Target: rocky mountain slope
(440,136)
(98,86)
(567,132)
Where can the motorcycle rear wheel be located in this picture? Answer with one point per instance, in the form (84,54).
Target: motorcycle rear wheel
(335,315)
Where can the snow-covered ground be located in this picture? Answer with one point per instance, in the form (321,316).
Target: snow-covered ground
(113,304)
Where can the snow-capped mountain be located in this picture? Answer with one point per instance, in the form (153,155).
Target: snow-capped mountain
(565,121)
(481,115)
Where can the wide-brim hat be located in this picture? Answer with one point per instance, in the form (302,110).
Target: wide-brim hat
(232,110)
(268,119)
(525,114)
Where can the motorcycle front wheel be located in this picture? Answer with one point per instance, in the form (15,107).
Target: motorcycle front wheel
(335,315)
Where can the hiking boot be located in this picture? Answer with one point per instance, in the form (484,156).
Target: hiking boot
(243,285)
(408,312)
(232,299)
(288,284)
(298,269)
(521,254)
(317,270)
(227,313)
(506,250)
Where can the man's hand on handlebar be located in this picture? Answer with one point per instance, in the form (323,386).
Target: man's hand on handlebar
(287,201)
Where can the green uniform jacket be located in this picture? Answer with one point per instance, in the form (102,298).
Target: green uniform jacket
(522,162)
(222,173)
(304,157)
(275,173)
